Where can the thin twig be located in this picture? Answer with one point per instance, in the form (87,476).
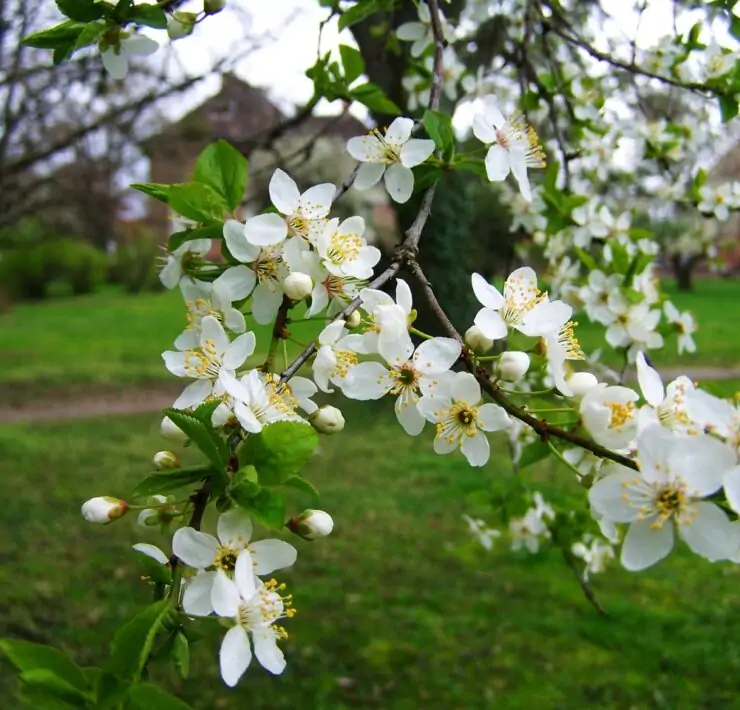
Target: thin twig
(585,586)
(439,46)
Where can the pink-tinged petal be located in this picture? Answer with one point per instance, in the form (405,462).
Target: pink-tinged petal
(399,182)
(483,130)
(416,151)
(235,655)
(369,380)
(486,293)
(237,244)
(497,163)
(465,388)
(234,528)
(491,323)
(284,192)
(239,350)
(644,545)
(366,149)
(266,229)
(315,202)
(194,548)
(710,533)
(196,599)
(476,449)
(368,175)
(409,416)
(492,113)
(437,355)
(491,417)
(267,651)
(399,131)
(270,555)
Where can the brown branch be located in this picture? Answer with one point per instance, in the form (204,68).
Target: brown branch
(439,45)
(278,332)
(585,586)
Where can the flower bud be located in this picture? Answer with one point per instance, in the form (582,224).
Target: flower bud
(181,24)
(581,382)
(103,510)
(169,430)
(162,514)
(327,420)
(297,286)
(476,341)
(353,319)
(513,366)
(211,7)
(164,460)
(311,524)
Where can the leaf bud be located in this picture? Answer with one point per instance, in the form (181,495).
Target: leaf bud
(512,366)
(311,524)
(211,7)
(104,509)
(164,460)
(476,341)
(297,286)
(327,420)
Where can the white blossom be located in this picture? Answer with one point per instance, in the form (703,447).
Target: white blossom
(685,324)
(336,356)
(610,415)
(116,57)
(186,254)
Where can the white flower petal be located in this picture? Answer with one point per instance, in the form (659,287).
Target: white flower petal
(239,350)
(115,64)
(442,445)
(497,163)
(235,655)
(265,304)
(645,545)
(238,246)
(476,449)
(399,182)
(368,175)
(175,362)
(196,599)
(195,393)
(650,381)
(416,151)
(366,149)
(710,533)
(235,283)
(483,130)
(492,113)
(212,331)
(404,297)
(225,596)
(465,388)
(196,549)
(408,415)
(491,324)
(267,651)
(487,294)
(284,193)
(701,461)
(315,202)
(731,482)
(518,165)
(139,45)
(265,229)
(244,574)
(491,417)
(399,131)
(369,380)
(437,355)
(151,551)
(606,497)
(269,555)
(410,31)
(247,418)
(234,528)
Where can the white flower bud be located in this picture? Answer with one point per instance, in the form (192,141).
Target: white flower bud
(297,286)
(211,7)
(311,524)
(327,420)
(170,431)
(164,460)
(513,366)
(581,382)
(181,24)
(103,509)
(476,341)
(353,319)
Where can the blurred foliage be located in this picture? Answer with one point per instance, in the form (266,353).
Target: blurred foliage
(134,265)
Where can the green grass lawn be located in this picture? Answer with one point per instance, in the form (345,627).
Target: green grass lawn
(398,610)
(715,304)
(111,339)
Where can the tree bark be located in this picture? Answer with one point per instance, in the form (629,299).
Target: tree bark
(683,270)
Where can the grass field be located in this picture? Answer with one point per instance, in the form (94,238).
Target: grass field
(398,610)
(115,339)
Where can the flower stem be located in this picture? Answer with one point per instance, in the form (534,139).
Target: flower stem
(420,333)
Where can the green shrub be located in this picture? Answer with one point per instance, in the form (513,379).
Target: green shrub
(80,265)
(134,265)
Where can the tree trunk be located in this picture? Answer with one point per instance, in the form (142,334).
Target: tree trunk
(683,268)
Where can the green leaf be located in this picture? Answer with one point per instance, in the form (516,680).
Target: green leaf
(43,679)
(134,641)
(373,97)
(426,175)
(473,165)
(60,35)
(27,656)
(149,15)
(90,34)
(169,481)
(158,190)
(158,573)
(224,168)
(181,654)
(268,507)
(728,107)
(357,13)
(196,201)
(146,696)
(80,10)
(586,259)
(438,126)
(211,231)
(203,435)
(532,453)
(352,61)
(305,486)
(279,451)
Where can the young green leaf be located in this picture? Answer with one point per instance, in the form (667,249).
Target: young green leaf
(45,681)
(224,168)
(268,507)
(279,451)
(304,486)
(357,13)
(133,642)
(80,10)
(158,190)
(211,231)
(27,656)
(196,201)
(352,61)
(181,654)
(438,126)
(149,15)
(146,696)
(60,35)
(203,435)
(375,99)
(532,453)
(169,481)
